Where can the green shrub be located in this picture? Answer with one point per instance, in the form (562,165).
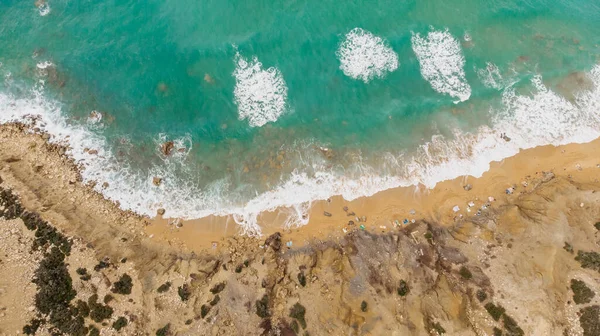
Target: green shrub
(495,311)
(295,327)
(82,308)
(164,331)
(215,300)
(101,265)
(568,247)
(302,279)
(589,319)
(581,292)
(123,286)
(589,260)
(363,306)
(511,326)
(184,292)
(204,310)
(98,311)
(262,307)
(481,295)
(33,326)
(164,287)
(465,273)
(108,298)
(403,288)
(218,288)
(120,323)
(94,331)
(438,328)
(297,312)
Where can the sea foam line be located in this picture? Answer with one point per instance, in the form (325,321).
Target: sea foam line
(538,119)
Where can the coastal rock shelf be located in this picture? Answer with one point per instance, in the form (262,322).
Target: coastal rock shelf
(528,266)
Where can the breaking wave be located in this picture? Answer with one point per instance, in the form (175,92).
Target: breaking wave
(365,56)
(259,94)
(540,118)
(442,63)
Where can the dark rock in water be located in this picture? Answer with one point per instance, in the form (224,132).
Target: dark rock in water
(156,181)
(327,214)
(160,211)
(274,241)
(468,187)
(167,148)
(327,152)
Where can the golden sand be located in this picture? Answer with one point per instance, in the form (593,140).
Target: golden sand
(387,208)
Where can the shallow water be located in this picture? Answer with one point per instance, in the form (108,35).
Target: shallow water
(280,103)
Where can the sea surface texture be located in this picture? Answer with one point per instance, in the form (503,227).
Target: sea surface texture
(275,104)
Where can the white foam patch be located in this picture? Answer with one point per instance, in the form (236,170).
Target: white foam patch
(442,63)
(365,56)
(529,120)
(259,94)
(44,9)
(94,118)
(490,76)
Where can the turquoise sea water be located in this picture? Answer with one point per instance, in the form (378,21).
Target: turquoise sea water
(278,103)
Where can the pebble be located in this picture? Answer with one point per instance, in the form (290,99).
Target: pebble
(31,308)
(327,214)
(468,187)
(160,211)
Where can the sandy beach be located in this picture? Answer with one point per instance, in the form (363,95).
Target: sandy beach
(493,255)
(391,209)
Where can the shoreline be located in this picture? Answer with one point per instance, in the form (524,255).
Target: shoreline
(522,172)
(331,219)
(508,268)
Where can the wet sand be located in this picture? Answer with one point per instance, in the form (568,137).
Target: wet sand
(383,210)
(508,269)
